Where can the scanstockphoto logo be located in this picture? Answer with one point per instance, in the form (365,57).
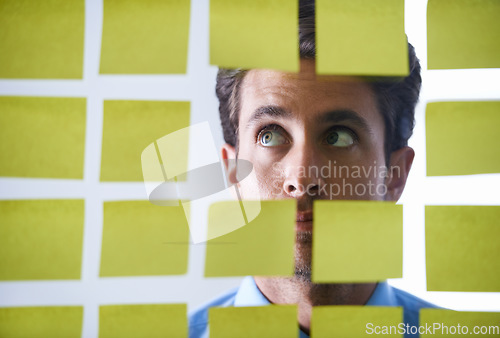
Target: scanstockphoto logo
(194,179)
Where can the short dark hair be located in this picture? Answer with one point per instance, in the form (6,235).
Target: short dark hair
(396,97)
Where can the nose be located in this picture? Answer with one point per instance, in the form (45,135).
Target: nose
(303,176)
(295,189)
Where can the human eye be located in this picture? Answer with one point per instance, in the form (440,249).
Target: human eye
(271,136)
(340,137)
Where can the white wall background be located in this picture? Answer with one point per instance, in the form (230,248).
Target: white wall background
(197,86)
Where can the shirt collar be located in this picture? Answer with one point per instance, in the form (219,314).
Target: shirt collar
(249,295)
(383,296)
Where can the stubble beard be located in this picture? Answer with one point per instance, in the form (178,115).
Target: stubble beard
(303,256)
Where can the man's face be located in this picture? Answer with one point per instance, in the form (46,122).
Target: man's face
(310,137)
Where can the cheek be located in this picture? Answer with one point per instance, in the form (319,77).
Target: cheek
(357,182)
(266,180)
(367,189)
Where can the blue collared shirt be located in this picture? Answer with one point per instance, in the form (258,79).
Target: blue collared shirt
(249,295)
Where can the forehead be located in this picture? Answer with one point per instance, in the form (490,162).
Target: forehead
(305,95)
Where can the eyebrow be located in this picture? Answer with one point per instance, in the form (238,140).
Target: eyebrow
(334,116)
(268,111)
(343,115)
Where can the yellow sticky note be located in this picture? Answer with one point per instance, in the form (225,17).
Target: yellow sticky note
(357,241)
(462,246)
(462,138)
(41,239)
(42,137)
(142,239)
(463,34)
(254,34)
(361,37)
(356,321)
(129,127)
(448,323)
(265,246)
(41,39)
(151,320)
(41,321)
(256,321)
(145,36)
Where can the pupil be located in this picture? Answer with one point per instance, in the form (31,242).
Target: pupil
(332,138)
(267,137)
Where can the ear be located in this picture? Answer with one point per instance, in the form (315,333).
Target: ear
(229,158)
(398,170)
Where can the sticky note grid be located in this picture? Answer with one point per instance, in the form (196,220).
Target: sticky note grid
(45,236)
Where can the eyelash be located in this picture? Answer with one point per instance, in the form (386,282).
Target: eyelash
(344,128)
(274,127)
(268,127)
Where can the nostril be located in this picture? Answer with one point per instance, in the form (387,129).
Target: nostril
(291,188)
(312,190)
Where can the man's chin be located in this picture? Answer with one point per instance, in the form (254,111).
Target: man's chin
(304,237)
(303,254)
(303,274)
